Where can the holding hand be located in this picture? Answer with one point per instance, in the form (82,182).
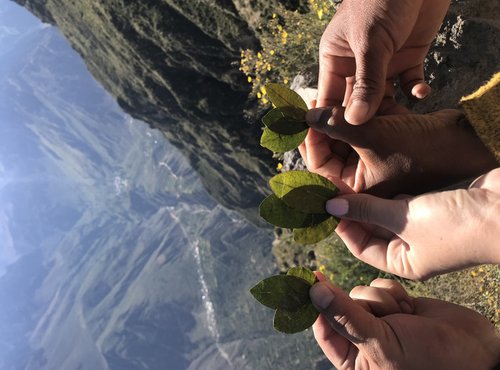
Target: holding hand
(423,236)
(381,327)
(371,41)
(408,153)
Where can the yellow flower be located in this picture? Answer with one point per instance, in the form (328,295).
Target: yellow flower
(265,101)
(285,81)
(259,55)
(473,273)
(259,95)
(274,15)
(271,52)
(263,90)
(279,166)
(249,79)
(268,67)
(320,13)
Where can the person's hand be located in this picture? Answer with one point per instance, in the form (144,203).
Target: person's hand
(393,154)
(423,236)
(369,42)
(381,327)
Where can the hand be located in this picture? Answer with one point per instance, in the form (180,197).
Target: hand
(423,236)
(381,327)
(371,41)
(409,153)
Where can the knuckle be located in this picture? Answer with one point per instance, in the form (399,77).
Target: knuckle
(367,86)
(363,211)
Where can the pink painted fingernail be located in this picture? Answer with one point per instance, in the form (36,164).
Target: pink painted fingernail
(321,296)
(337,207)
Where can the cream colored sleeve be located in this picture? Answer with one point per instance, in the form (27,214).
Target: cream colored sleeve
(483,111)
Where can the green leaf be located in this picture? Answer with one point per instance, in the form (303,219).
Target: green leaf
(282,291)
(286,120)
(282,96)
(303,190)
(276,212)
(279,143)
(303,273)
(291,322)
(314,234)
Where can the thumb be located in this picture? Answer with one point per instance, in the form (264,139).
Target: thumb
(369,87)
(390,214)
(344,315)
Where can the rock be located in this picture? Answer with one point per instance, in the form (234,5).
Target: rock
(464,55)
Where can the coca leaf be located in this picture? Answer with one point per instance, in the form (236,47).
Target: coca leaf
(291,322)
(282,96)
(278,213)
(303,273)
(314,234)
(286,120)
(282,291)
(304,191)
(280,143)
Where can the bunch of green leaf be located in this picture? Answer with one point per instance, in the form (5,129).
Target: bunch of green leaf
(298,203)
(286,126)
(289,296)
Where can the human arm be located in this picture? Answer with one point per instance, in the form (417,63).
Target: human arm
(426,235)
(368,44)
(381,327)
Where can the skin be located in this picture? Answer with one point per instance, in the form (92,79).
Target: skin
(426,235)
(367,45)
(381,327)
(410,237)
(405,153)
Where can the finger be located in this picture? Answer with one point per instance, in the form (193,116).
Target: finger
(380,302)
(489,181)
(371,70)
(331,86)
(303,152)
(349,87)
(331,122)
(343,314)
(332,73)
(335,347)
(397,291)
(388,105)
(385,252)
(387,213)
(413,84)
(319,153)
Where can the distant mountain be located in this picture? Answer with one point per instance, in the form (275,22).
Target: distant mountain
(117,256)
(173,64)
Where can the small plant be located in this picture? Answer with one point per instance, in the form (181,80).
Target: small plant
(289,296)
(289,45)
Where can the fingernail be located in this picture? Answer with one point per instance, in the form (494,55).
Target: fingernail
(337,207)
(357,112)
(321,296)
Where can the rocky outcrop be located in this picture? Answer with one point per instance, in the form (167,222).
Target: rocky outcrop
(174,65)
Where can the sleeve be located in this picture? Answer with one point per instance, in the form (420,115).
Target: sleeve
(483,111)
